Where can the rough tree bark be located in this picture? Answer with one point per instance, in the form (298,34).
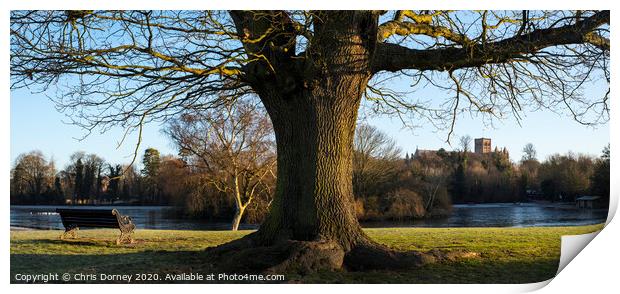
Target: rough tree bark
(312,223)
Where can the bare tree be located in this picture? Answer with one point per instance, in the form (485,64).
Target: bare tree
(311,70)
(31,175)
(233,144)
(374,157)
(529,152)
(435,175)
(465,143)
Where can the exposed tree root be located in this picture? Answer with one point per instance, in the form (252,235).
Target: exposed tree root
(374,256)
(378,257)
(303,257)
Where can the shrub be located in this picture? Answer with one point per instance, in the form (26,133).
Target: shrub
(405,204)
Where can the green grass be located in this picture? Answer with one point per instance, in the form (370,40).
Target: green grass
(507,255)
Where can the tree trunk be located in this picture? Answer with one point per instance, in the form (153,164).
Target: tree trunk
(237,218)
(314,195)
(239,207)
(312,223)
(314,123)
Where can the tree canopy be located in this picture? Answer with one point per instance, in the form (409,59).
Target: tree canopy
(125,68)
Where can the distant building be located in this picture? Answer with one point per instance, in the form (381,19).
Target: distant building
(482,145)
(534,194)
(482,148)
(423,152)
(589,202)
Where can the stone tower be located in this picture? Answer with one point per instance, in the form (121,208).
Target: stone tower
(482,145)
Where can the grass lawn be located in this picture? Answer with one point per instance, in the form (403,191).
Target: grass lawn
(507,255)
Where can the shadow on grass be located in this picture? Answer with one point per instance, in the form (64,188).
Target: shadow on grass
(144,262)
(179,262)
(480,272)
(80,241)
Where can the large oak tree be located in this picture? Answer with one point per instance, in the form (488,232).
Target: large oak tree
(311,70)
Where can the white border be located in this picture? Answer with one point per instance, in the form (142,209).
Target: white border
(593,269)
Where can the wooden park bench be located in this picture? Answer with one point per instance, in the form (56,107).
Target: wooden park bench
(73,219)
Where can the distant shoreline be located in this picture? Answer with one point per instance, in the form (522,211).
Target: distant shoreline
(14,228)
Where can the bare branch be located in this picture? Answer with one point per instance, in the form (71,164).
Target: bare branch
(394,57)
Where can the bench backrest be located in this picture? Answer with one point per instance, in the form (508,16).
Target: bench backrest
(95,218)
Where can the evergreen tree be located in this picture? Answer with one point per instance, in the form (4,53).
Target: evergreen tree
(151,162)
(459,189)
(58,191)
(600,178)
(114,173)
(79,181)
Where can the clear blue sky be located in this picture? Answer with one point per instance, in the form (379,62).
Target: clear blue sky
(36,125)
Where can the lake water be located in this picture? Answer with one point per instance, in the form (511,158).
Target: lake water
(508,215)
(474,215)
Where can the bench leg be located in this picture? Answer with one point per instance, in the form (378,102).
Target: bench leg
(125,238)
(126,226)
(70,233)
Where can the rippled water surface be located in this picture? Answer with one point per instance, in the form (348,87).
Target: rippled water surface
(474,215)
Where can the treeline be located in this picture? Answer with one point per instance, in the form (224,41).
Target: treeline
(90,180)
(425,184)
(86,179)
(565,177)
(493,177)
(226,170)
(386,187)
